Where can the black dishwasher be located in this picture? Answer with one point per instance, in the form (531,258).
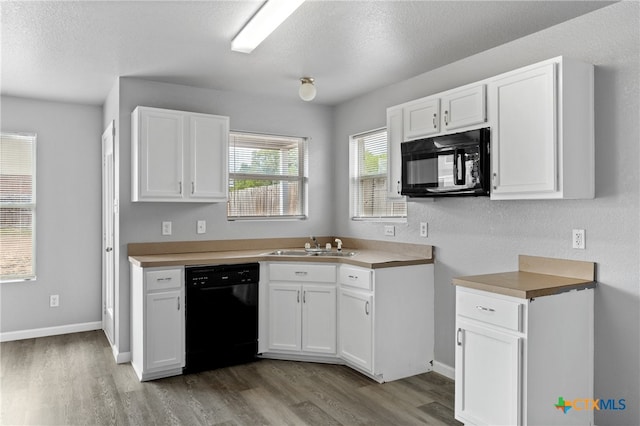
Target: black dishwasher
(221,315)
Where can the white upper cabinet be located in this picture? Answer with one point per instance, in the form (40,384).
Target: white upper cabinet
(462,108)
(178,156)
(542,135)
(395,136)
(421,118)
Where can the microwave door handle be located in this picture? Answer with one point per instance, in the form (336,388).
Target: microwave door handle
(459,169)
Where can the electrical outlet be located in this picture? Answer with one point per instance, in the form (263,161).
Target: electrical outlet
(54,301)
(578,239)
(424,229)
(201,227)
(390,230)
(166,228)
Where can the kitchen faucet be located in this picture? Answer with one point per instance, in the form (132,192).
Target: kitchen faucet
(315,241)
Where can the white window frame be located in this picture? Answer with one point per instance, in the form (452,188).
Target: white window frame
(300,178)
(355,198)
(32,137)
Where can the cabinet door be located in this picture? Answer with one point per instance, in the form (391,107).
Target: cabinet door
(285,317)
(464,108)
(319,319)
(161,151)
(164,332)
(394,154)
(208,142)
(356,328)
(524,138)
(488,375)
(421,118)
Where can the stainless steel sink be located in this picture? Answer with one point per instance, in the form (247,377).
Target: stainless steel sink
(303,253)
(288,253)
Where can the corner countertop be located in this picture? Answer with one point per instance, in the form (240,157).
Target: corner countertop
(536,277)
(369,254)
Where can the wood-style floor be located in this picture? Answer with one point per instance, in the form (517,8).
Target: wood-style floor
(73,380)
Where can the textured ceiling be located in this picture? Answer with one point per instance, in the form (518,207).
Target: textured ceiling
(73,51)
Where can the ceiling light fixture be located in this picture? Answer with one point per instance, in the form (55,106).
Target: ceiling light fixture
(264,22)
(307,90)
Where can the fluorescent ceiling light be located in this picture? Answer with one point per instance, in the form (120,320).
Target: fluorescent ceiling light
(268,18)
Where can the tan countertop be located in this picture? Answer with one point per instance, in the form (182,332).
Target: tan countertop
(536,277)
(369,254)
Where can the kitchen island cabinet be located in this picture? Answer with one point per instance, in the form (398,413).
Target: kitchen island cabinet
(516,356)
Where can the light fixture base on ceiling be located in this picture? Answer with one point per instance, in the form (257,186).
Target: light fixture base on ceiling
(307,89)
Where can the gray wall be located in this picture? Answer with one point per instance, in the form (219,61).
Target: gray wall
(68,227)
(476,235)
(141,222)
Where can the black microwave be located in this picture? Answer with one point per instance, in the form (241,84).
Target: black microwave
(449,165)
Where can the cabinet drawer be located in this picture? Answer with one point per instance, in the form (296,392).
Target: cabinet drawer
(500,312)
(302,272)
(164,279)
(355,277)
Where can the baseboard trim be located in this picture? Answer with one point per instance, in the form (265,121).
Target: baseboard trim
(50,331)
(444,369)
(121,357)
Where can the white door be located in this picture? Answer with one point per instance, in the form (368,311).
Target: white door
(319,319)
(488,375)
(285,317)
(108,221)
(356,328)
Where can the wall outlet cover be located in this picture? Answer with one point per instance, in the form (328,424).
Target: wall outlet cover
(166,228)
(390,230)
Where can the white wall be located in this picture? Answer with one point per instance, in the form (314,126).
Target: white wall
(476,235)
(140,222)
(68,227)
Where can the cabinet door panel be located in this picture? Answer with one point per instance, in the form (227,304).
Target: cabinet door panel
(464,108)
(421,118)
(319,319)
(356,328)
(524,140)
(285,317)
(209,146)
(162,150)
(165,330)
(488,375)
(394,154)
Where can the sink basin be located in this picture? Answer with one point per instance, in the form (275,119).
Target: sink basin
(303,253)
(288,253)
(335,253)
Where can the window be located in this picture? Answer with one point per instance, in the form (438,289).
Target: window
(266,177)
(17,206)
(368,171)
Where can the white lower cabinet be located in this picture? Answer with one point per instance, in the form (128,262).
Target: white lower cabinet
(377,321)
(302,308)
(356,328)
(386,320)
(157,322)
(516,357)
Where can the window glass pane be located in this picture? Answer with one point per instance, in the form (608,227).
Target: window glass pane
(266,178)
(369,178)
(17,206)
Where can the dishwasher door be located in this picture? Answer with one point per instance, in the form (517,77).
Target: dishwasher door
(221,316)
